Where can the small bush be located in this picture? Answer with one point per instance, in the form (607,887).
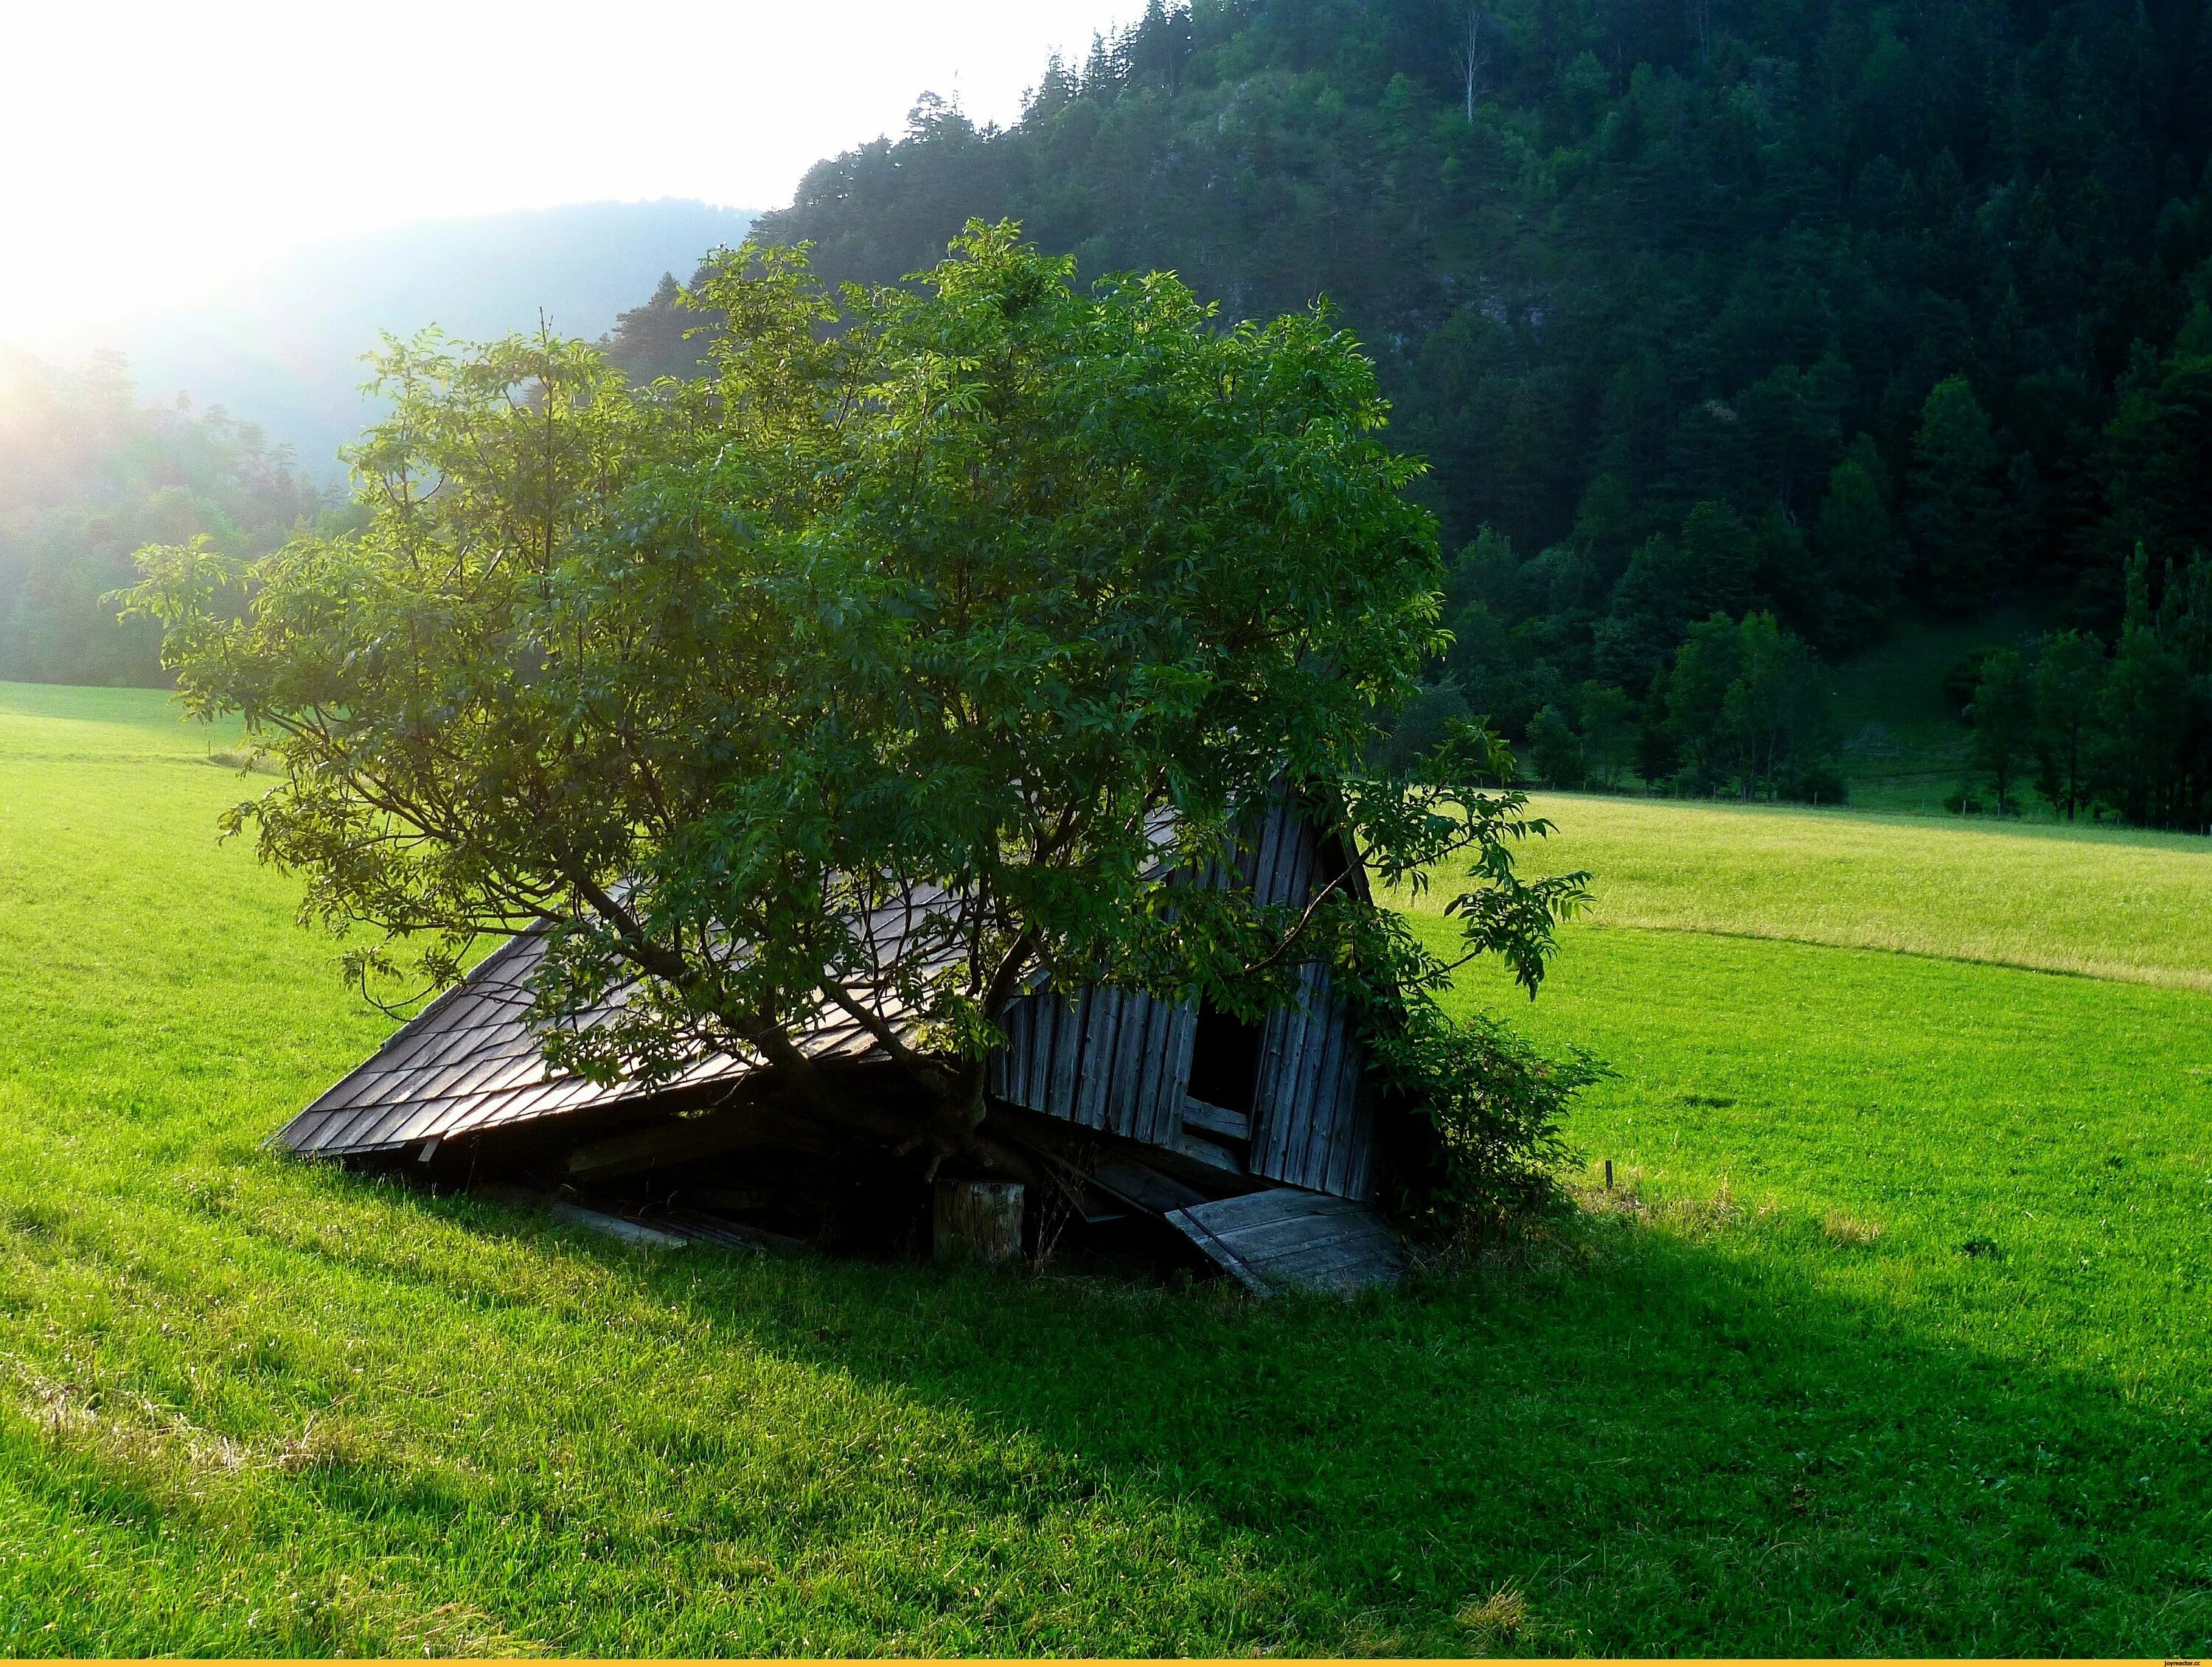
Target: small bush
(1493,1104)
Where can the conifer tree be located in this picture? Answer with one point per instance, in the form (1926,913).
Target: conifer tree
(1958,509)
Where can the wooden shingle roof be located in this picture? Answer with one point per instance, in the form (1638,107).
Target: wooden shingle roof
(470,1061)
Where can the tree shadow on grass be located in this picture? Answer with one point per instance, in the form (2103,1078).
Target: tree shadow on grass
(1685,1437)
(1648,1442)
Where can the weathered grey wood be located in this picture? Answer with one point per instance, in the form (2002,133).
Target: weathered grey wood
(1276,880)
(1275,1128)
(1005,1073)
(1141,1186)
(1227,1215)
(1133,1068)
(630,1232)
(1067,1050)
(1350,1158)
(1174,1074)
(1302,1225)
(1297,881)
(1349,1264)
(1277,1036)
(1102,1036)
(1158,1102)
(1125,1081)
(1218,1251)
(1195,1146)
(1299,1133)
(1044,1010)
(1265,851)
(978,1222)
(1144,1119)
(1318,1086)
(1288,1239)
(1210,1119)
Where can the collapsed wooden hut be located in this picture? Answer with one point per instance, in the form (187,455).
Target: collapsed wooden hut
(1260,1144)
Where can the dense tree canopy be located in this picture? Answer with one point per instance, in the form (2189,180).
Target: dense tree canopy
(883,670)
(1820,310)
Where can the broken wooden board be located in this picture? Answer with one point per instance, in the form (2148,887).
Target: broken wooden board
(1288,1239)
(615,1226)
(1140,1185)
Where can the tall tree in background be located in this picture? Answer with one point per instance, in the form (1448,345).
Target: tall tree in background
(1957,517)
(1776,711)
(2070,684)
(1471,49)
(1857,545)
(665,337)
(2002,713)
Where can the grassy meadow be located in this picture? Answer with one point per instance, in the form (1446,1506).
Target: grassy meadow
(2108,903)
(1892,1336)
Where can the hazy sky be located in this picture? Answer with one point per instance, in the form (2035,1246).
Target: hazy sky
(150,148)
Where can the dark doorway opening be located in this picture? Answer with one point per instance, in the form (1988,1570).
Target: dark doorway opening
(1224,1060)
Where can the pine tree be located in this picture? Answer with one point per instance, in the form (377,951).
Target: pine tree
(1958,510)
(2002,713)
(649,342)
(1857,545)
(2070,683)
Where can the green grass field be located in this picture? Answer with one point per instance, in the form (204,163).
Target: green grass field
(2104,901)
(1893,1337)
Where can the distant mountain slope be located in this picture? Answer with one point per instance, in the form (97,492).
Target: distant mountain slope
(282,348)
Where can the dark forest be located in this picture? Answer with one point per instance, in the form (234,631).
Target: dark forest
(1817,316)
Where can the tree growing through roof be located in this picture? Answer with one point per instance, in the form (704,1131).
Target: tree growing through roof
(905,659)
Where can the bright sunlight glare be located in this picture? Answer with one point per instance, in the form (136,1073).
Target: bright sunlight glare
(155,149)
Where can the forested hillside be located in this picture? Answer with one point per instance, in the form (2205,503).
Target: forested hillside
(87,475)
(1808,315)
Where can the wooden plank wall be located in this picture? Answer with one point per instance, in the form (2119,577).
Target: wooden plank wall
(1311,1122)
(1311,1127)
(1121,1063)
(1105,1060)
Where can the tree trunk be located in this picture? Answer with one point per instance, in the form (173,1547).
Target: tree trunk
(979,1221)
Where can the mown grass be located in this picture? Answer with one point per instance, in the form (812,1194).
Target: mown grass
(2104,902)
(1759,1400)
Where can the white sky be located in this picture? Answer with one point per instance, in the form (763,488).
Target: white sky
(147,151)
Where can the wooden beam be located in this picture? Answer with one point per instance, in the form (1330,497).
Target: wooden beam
(681,1139)
(1217,1120)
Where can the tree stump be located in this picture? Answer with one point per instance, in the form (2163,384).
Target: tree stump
(979,1221)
